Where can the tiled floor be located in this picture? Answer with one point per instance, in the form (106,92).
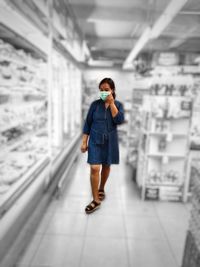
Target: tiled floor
(124,232)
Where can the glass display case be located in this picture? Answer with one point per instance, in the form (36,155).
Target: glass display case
(66,102)
(24,138)
(23,109)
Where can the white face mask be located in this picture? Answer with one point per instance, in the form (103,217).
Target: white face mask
(104,94)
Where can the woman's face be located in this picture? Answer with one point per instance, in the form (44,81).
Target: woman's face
(105,87)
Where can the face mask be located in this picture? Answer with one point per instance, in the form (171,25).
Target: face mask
(104,94)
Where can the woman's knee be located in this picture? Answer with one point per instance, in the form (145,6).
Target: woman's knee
(95,168)
(106,167)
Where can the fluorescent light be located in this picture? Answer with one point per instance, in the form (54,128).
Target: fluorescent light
(100,63)
(167,16)
(137,48)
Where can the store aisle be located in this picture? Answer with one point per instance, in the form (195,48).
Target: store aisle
(125,231)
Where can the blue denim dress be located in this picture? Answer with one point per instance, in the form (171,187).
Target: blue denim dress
(103,147)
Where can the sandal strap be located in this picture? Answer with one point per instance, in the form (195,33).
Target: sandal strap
(101,193)
(92,205)
(101,190)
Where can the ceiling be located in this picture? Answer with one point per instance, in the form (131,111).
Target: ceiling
(112,28)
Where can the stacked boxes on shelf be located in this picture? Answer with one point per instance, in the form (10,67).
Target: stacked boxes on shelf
(191,256)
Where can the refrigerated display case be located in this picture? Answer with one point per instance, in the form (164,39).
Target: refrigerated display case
(66,102)
(40,106)
(32,128)
(23,108)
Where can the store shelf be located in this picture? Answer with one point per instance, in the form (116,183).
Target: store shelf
(17,188)
(19,62)
(162,184)
(167,133)
(7,148)
(158,155)
(172,118)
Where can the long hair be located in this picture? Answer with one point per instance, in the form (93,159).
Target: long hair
(111,84)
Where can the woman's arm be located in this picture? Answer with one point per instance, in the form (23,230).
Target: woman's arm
(84,145)
(86,128)
(113,109)
(89,119)
(110,100)
(117,112)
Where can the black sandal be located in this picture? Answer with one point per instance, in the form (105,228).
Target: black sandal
(101,194)
(92,207)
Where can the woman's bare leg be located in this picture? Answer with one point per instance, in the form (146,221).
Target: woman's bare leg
(105,171)
(94,178)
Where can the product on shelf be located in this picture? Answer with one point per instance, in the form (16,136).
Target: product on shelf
(170,89)
(169,177)
(23,108)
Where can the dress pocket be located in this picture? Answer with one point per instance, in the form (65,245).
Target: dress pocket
(96,137)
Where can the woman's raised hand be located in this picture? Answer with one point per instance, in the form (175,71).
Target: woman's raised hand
(110,99)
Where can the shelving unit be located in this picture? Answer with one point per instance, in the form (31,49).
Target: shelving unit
(191,255)
(135,125)
(164,148)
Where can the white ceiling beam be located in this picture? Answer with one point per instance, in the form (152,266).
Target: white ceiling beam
(189,12)
(177,42)
(137,48)
(166,17)
(159,26)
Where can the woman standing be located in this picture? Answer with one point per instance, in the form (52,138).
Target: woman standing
(101,128)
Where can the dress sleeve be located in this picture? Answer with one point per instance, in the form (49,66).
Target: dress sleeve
(119,118)
(89,119)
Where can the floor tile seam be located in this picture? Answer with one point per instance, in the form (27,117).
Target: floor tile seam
(126,239)
(167,239)
(63,234)
(119,237)
(146,238)
(41,234)
(139,215)
(108,214)
(114,214)
(83,243)
(68,212)
(36,250)
(105,237)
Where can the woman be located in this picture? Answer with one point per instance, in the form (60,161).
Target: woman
(101,127)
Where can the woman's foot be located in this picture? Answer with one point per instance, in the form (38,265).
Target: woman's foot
(92,206)
(101,194)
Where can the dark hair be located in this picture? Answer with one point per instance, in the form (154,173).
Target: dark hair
(111,84)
